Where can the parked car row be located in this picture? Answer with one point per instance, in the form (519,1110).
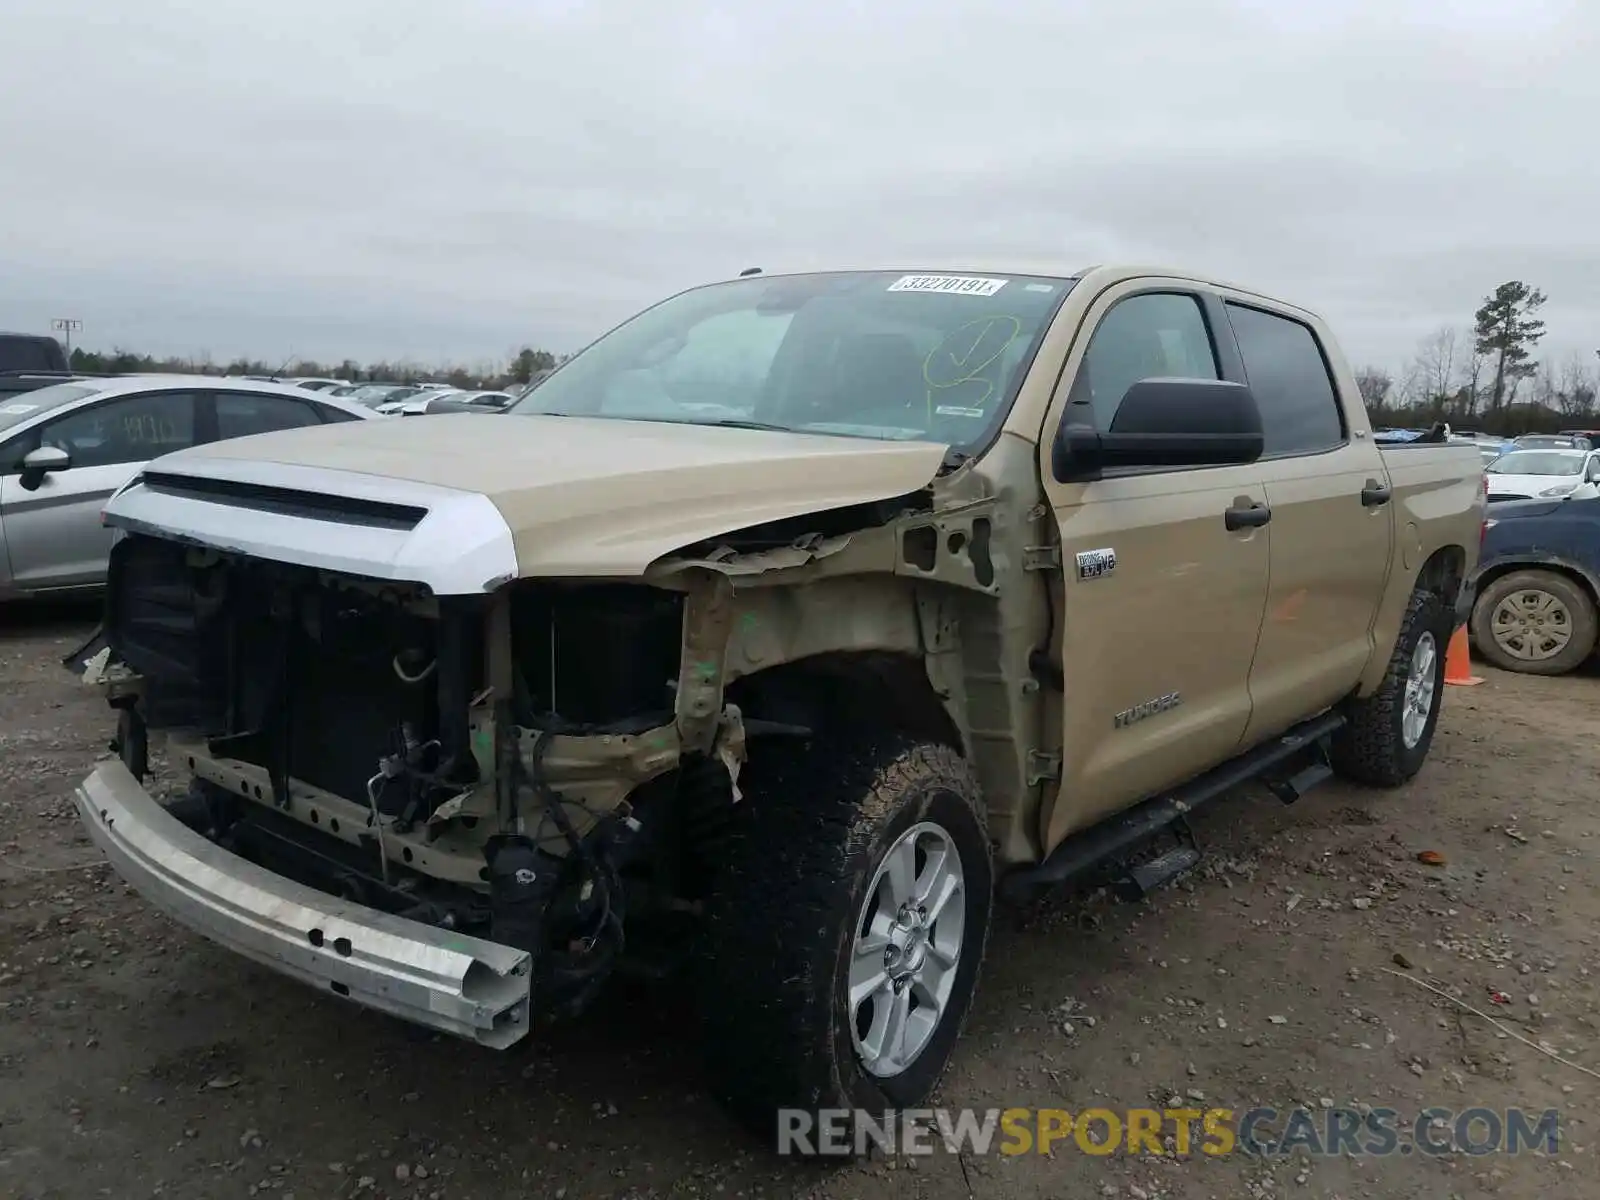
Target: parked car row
(408,399)
(445,400)
(389,397)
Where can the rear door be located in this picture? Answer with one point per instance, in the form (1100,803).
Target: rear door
(1162,600)
(1332,521)
(53,532)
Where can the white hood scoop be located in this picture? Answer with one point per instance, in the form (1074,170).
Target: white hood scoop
(453,542)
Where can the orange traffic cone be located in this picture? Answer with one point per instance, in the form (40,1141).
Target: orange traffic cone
(1458,661)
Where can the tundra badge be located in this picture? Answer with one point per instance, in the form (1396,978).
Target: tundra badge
(1161,704)
(1093,564)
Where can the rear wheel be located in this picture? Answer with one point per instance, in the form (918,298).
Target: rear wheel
(1535,622)
(1389,732)
(846,932)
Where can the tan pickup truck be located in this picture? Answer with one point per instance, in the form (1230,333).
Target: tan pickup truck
(772,637)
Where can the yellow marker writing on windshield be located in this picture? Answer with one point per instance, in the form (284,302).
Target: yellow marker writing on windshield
(965,353)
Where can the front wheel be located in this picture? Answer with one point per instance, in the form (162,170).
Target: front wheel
(1535,622)
(845,934)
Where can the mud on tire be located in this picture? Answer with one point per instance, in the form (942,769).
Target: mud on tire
(781,932)
(1373,748)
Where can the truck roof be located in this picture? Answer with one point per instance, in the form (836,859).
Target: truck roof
(1103,274)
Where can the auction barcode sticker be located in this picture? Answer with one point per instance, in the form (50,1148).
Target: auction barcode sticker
(960,285)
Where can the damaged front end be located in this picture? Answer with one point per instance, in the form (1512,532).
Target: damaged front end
(465,778)
(479,774)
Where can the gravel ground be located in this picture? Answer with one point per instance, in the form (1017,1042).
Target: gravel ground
(136,1060)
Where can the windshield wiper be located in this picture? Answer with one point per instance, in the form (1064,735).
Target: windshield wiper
(742,423)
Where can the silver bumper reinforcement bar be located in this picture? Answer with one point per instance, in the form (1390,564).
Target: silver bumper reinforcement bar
(447,981)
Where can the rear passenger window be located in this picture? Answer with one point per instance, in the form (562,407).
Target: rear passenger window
(1289,377)
(1149,336)
(240,414)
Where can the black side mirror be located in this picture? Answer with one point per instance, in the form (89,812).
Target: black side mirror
(39,463)
(1165,423)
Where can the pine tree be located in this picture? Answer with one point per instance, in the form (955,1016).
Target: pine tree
(1507,331)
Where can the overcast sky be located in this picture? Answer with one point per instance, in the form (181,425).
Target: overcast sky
(448,181)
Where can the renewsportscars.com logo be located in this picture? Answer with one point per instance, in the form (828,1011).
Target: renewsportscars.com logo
(1262,1131)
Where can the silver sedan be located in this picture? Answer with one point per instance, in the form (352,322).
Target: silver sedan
(65,449)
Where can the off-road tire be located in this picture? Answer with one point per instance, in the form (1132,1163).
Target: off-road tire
(816,821)
(1371,749)
(1578,602)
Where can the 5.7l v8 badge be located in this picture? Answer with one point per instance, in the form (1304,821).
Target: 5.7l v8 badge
(1096,564)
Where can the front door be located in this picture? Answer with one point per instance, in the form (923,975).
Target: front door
(1162,600)
(53,531)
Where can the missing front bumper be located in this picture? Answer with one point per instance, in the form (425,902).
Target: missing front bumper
(432,977)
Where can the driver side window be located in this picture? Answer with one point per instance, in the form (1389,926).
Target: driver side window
(1147,336)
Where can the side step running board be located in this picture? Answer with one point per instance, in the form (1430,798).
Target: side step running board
(1143,878)
(1302,781)
(1126,831)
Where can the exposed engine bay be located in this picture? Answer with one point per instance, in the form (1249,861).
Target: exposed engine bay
(367,739)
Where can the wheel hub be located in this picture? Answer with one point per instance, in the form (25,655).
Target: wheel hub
(1420,686)
(1532,625)
(907,952)
(907,945)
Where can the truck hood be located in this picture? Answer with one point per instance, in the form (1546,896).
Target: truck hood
(459,501)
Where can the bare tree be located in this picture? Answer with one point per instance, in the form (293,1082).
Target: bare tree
(1431,376)
(1575,393)
(1472,385)
(1375,385)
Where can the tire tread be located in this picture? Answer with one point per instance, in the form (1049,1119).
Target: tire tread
(785,893)
(1369,750)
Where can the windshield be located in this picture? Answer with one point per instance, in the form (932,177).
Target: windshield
(26,405)
(1538,462)
(858,354)
(1546,441)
